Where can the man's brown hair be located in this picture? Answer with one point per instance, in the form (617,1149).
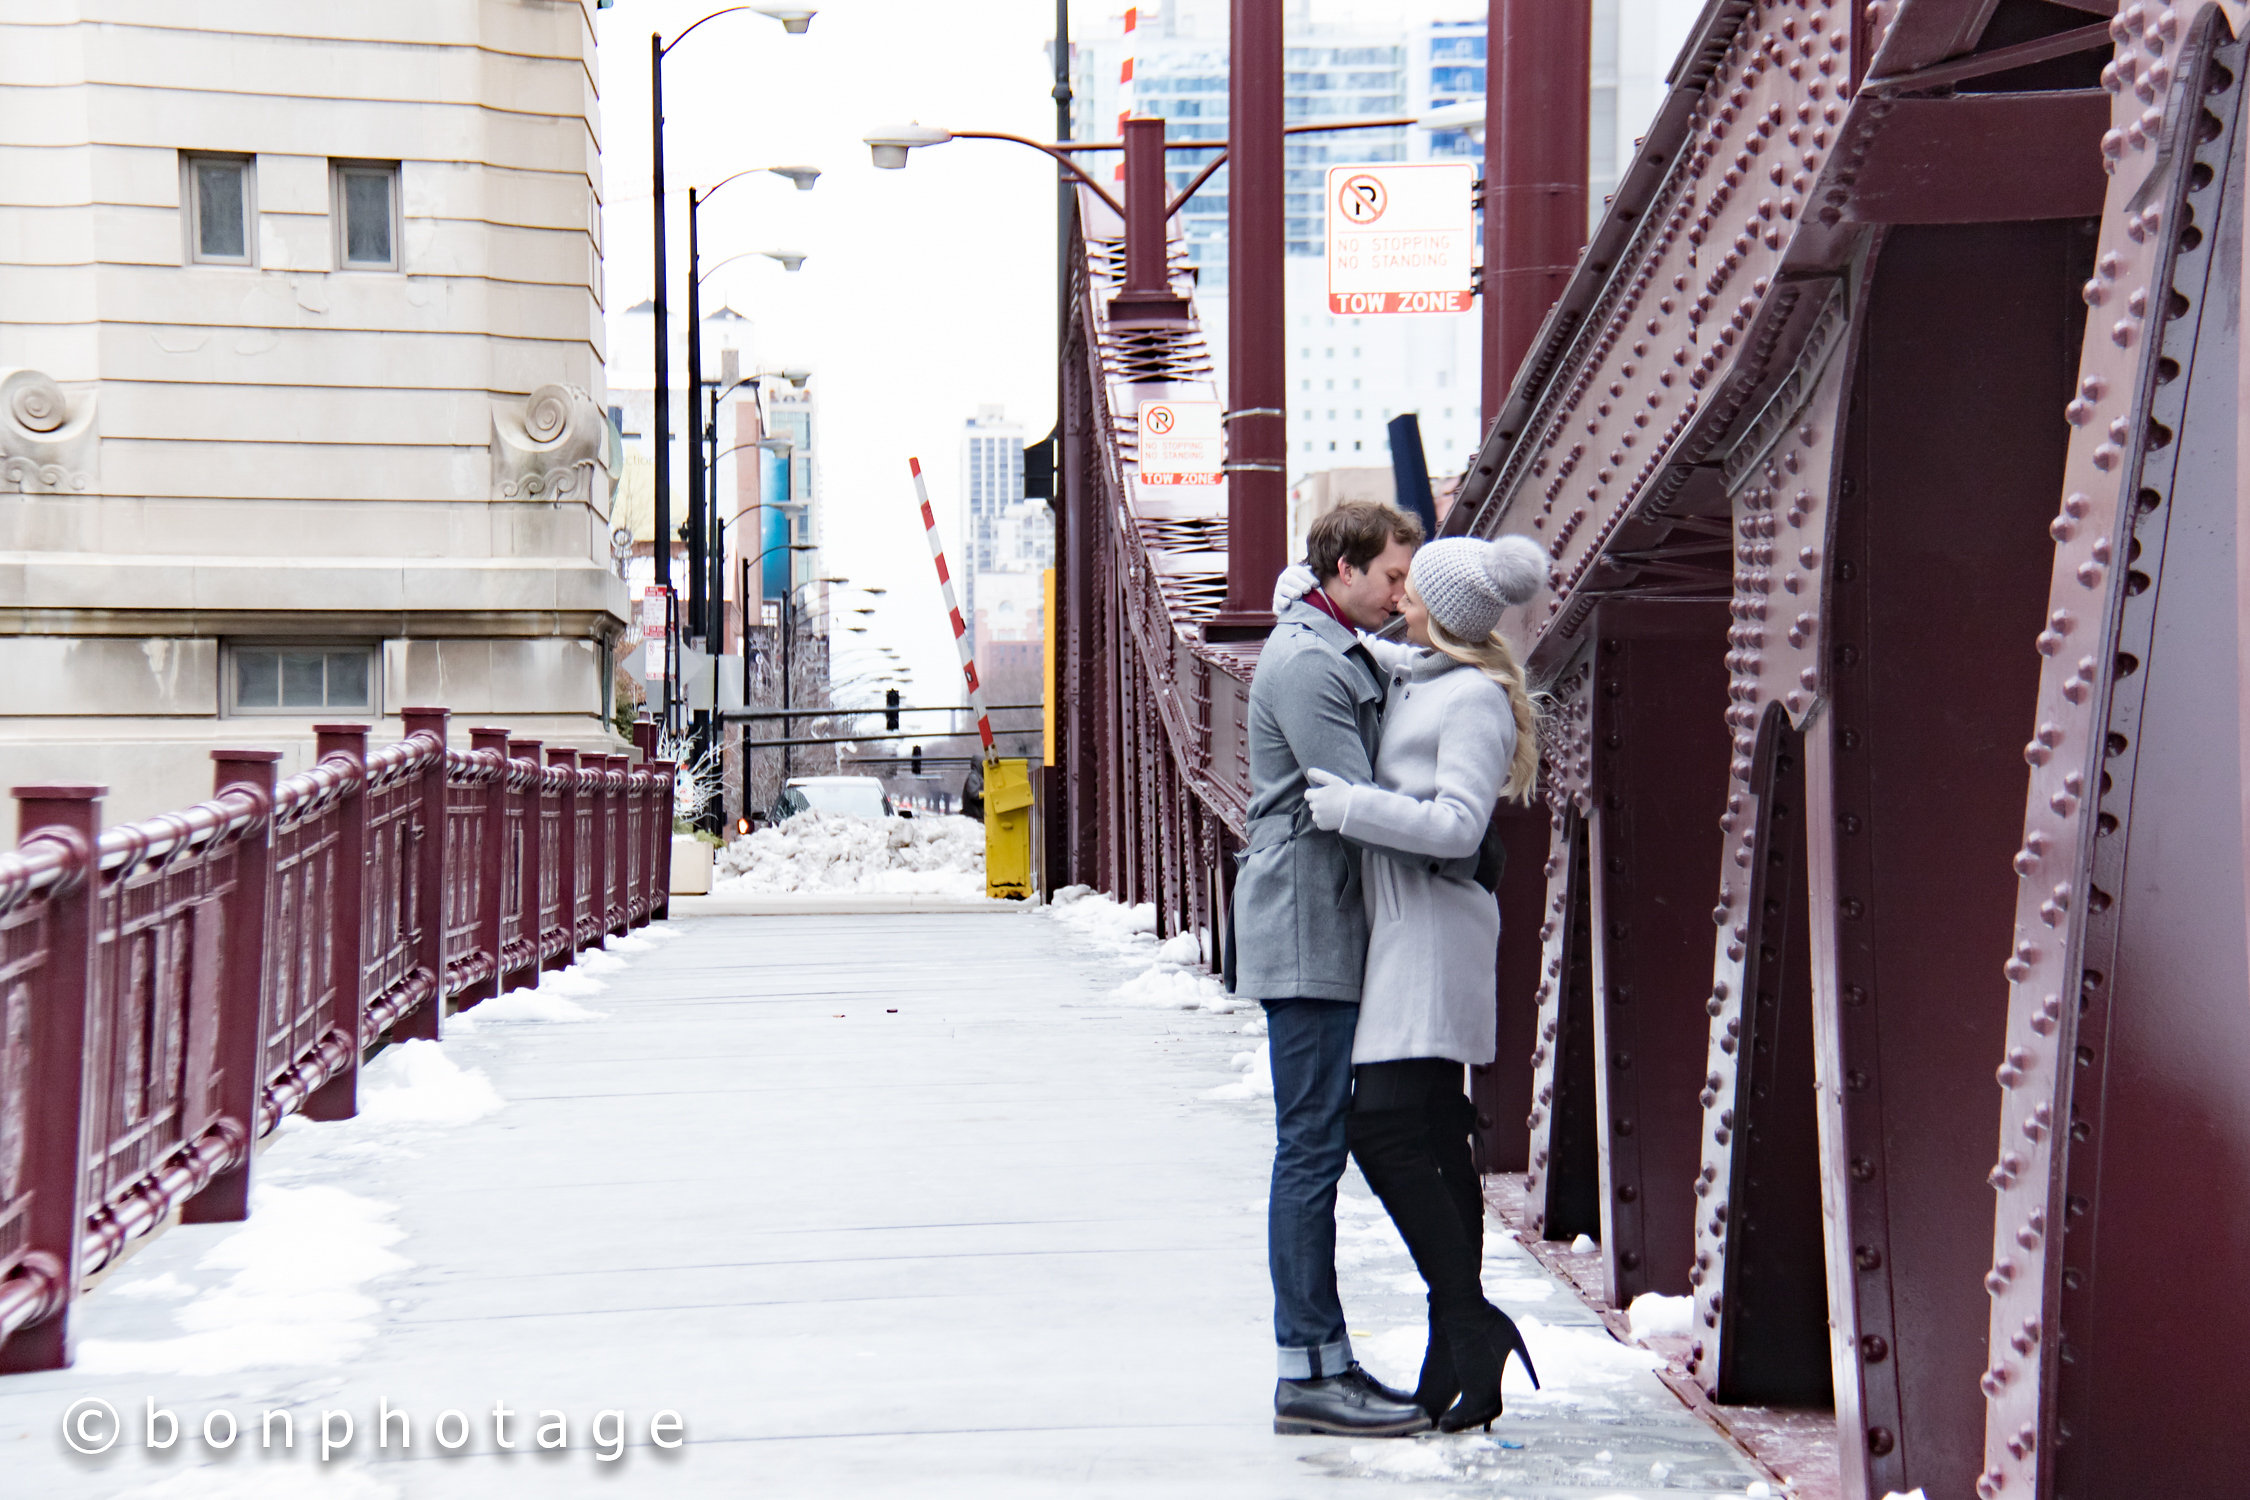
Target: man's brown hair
(1356,532)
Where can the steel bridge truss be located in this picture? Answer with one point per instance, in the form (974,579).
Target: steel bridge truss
(1884,443)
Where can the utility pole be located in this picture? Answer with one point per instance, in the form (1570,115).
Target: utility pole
(663,413)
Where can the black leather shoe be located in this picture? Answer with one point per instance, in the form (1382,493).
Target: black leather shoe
(1357,1371)
(1346,1405)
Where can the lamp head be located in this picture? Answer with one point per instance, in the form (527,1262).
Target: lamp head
(790,259)
(891,143)
(794,19)
(804,177)
(1468,117)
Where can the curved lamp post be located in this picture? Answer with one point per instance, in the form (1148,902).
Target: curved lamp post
(794,19)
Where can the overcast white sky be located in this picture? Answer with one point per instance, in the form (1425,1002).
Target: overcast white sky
(927,292)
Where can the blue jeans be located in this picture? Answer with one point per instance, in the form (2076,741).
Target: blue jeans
(1312,1093)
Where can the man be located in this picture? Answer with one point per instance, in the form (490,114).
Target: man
(1300,943)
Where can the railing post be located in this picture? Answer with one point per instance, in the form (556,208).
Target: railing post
(660,836)
(338,1098)
(597,858)
(566,858)
(531,877)
(54,1074)
(427,1021)
(648,840)
(247,975)
(623,766)
(492,857)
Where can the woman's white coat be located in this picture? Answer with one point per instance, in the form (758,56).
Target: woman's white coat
(1449,737)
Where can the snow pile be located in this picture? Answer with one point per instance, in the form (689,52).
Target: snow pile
(1106,923)
(1654,1315)
(299,1263)
(1257,1076)
(815,851)
(415,1083)
(555,998)
(1174,976)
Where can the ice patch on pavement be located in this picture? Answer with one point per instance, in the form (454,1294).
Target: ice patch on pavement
(166,1285)
(300,1262)
(814,851)
(241,1482)
(415,1083)
(1654,1315)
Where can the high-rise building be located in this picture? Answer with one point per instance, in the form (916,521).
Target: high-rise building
(991,487)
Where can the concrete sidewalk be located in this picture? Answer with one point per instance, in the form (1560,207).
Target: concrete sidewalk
(880,1205)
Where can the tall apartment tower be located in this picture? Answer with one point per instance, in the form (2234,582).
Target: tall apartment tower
(991,486)
(302,414)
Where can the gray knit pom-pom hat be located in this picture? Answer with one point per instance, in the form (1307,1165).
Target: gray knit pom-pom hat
(1465,583)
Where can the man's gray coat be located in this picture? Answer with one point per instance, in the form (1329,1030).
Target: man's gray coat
(1300,924)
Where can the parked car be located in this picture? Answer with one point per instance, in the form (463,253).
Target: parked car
(853,796)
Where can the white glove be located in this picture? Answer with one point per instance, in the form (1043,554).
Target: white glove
(1328,797)
(1296,581)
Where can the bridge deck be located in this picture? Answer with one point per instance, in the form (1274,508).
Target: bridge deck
(880,1204)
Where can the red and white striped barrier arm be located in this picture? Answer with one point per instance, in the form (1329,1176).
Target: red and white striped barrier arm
(953,610)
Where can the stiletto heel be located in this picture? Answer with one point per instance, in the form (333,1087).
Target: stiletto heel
(1501,1336)
(1508,1337)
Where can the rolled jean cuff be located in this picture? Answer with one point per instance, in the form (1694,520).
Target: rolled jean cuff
(1317,1363)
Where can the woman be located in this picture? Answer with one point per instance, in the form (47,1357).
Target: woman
(1459,732)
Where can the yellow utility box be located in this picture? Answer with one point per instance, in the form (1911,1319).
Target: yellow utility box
(1007,829)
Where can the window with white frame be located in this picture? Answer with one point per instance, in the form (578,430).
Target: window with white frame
(265,678)
(367,215)
(220,195)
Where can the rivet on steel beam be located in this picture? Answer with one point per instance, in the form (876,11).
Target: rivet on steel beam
(1996,1280)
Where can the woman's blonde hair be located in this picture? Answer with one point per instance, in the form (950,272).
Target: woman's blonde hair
(1496,659)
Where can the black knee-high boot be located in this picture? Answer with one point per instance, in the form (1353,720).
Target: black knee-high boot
(1393,1149)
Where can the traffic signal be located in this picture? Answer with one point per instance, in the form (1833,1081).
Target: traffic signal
(890,709)
(917,760)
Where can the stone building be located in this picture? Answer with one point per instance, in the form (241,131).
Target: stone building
(302,414)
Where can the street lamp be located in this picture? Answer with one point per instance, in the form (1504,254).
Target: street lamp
(703,511)
(791,260)
(794,20)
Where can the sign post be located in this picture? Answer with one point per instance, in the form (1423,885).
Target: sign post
(1401,237)
(1182,442)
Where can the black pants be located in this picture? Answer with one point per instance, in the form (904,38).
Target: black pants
(1409,1132)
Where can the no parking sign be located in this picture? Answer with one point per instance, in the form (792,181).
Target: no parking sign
(1401,238)
(1182,442)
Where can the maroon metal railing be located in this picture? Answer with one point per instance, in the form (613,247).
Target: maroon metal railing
(171,989)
